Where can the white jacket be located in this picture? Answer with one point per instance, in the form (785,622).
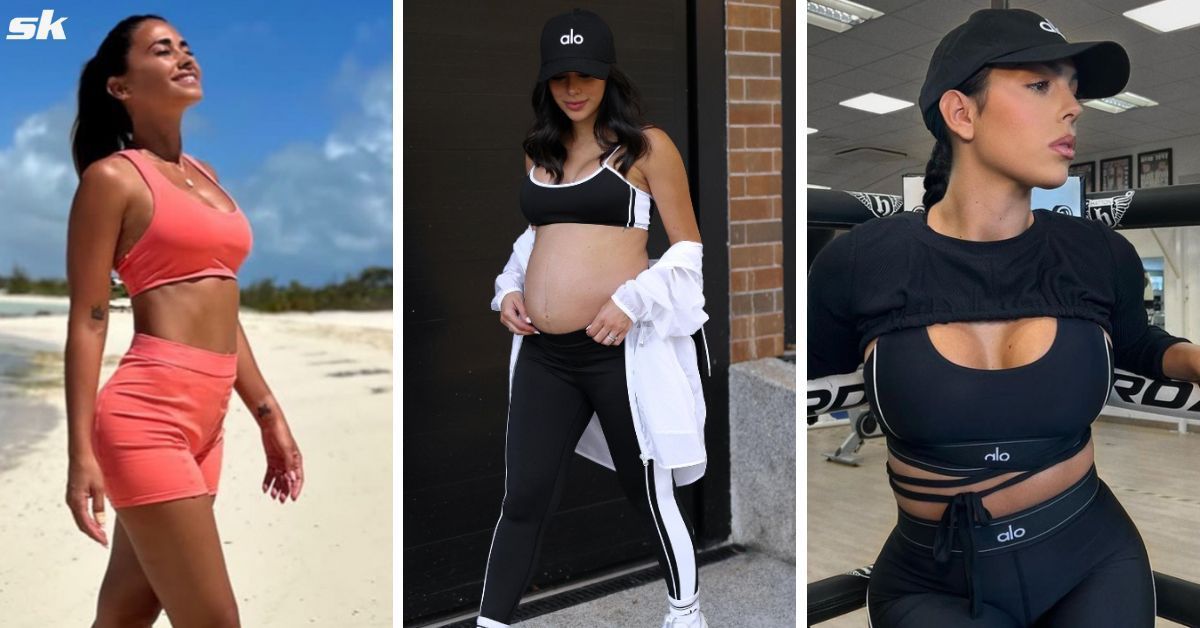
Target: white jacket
(666,303)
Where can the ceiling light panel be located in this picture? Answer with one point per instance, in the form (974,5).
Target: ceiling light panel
(1120,103)
(876,103)
(1167,15)
(839,16)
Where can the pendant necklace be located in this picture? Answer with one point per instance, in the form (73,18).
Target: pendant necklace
(182,170)
(186,179)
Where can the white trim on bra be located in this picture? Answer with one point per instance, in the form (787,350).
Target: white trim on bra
(603,166)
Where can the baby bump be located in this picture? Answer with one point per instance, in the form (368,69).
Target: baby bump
(574,269)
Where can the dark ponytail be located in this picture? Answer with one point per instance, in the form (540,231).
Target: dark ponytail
(102,125)
(937,174)
(937,171)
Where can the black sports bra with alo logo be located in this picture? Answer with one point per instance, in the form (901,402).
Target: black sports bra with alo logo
(977,424)
(602,198)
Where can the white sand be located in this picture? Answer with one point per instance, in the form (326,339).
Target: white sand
(325,560)
(33,298)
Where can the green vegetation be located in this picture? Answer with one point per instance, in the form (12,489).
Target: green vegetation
(370,290)
(20,283)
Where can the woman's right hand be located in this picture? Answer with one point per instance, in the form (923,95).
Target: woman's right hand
(85,481)
(513,315)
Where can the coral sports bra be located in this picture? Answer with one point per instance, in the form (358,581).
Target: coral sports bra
(186,238)
(602,198)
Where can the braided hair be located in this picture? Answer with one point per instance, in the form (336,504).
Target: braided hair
(937,170)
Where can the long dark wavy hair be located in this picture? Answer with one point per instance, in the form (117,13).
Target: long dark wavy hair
(102,125)
(618,123)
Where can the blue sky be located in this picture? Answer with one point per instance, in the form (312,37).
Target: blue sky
(296,119)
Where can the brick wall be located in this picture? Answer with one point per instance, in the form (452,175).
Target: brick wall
(755,117)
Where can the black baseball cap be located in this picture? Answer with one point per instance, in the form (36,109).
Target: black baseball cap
(578,41)
(993,36)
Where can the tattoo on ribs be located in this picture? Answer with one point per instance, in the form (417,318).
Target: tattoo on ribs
(97,313)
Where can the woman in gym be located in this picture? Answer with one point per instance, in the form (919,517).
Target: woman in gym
(988,341)
(151,440)
(578,295)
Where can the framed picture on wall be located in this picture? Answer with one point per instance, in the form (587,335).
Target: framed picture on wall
(1087,172)
(1116,173)
(1155,169)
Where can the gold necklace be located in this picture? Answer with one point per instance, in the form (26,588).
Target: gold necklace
(182,170)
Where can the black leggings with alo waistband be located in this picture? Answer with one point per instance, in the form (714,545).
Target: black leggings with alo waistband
(1074,561)
(558,382)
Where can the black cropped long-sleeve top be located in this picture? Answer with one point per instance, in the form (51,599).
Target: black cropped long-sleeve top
(894,273)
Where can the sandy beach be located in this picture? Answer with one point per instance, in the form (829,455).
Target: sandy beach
(325,560)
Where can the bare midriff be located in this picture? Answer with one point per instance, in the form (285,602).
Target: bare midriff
(575,268)
(201,312)
(994,345)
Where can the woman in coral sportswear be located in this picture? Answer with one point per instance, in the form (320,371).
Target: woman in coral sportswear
(151,441)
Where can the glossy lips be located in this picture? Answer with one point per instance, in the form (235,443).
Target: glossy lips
(1064,146)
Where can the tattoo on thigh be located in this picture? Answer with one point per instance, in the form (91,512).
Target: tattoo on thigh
(97,313)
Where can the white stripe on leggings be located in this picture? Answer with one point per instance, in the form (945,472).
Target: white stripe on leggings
(654,519)
(672,521)
(483,594)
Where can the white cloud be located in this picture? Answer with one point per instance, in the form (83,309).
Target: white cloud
(323,212)
(37,182)
(319,212)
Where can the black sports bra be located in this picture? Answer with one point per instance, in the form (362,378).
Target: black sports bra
(977,424)
(602,198)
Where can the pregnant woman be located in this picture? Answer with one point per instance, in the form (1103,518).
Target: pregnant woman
(596,332)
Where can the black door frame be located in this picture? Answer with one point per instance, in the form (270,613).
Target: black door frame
(709,156)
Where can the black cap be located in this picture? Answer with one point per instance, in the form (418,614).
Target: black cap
(1018,36)
(578,41)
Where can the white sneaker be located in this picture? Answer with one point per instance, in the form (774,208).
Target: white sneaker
(693,620)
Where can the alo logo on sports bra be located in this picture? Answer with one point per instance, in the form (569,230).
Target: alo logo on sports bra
(601,198)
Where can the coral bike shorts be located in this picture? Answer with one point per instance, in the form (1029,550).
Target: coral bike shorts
(159,423)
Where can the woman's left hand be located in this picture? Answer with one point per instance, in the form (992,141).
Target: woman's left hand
(285,467)
(610,326)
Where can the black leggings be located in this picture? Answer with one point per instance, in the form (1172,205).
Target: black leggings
(558,382)
(1090,571)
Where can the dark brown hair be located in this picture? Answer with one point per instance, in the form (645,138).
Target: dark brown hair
(102,125)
